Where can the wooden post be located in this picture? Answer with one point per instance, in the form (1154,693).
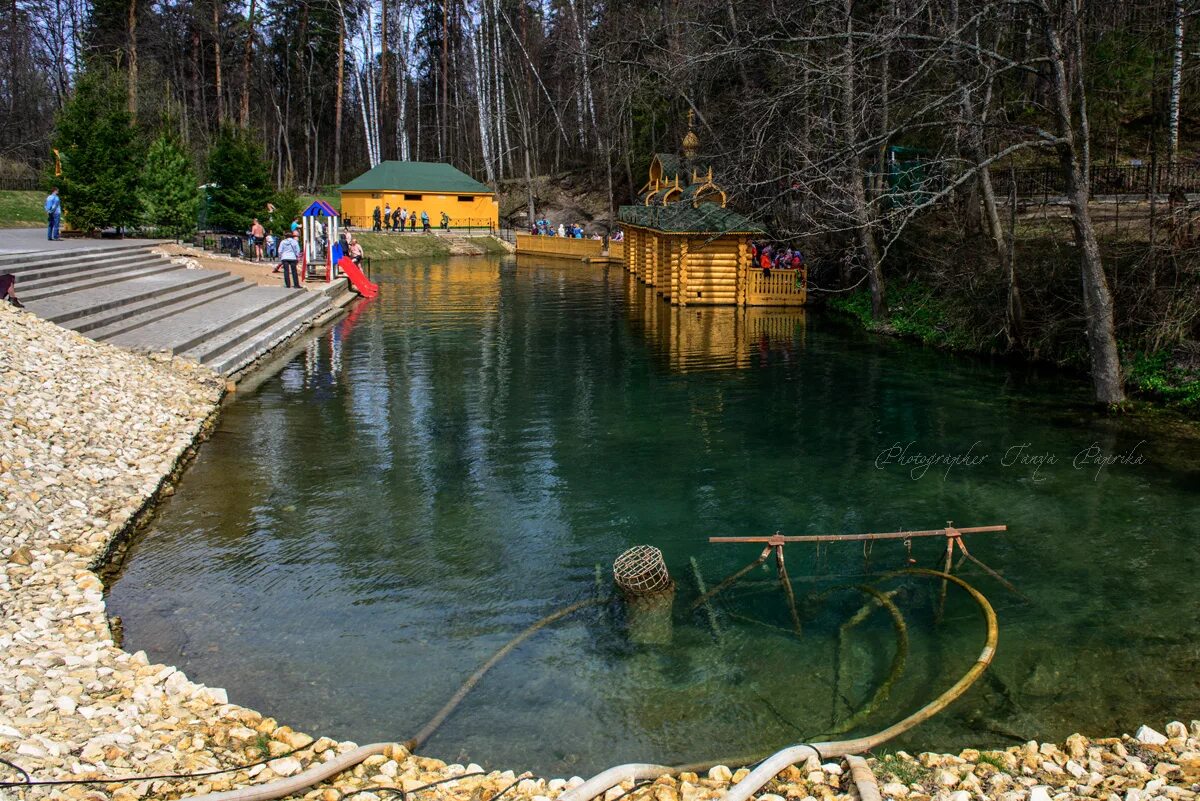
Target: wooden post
(743,272)
(683,271)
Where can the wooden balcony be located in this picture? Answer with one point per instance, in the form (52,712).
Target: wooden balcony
(776,288)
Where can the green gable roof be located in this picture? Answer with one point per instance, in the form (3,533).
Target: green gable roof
(415,176)
(681,218)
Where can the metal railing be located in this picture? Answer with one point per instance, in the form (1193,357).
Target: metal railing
(458,225)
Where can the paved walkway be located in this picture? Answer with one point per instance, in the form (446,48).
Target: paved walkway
(25,240)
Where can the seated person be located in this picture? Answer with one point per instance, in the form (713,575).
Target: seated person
(8,290)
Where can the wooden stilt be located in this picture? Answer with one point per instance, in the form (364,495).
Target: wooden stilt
(787,589)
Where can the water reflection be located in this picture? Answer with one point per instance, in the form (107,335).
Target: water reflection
(455,458)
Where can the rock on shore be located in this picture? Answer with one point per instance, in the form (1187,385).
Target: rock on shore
(89,433)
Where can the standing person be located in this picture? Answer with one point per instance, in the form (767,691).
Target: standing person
(271,253)
(295,225)
(375,219)
(445,221)
(289,256)
(387,215)
(403,218)
(424,222)
(53,214)
(562,230)
(259,235)
(412,221)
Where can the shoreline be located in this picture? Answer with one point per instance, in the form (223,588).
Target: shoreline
(93,436)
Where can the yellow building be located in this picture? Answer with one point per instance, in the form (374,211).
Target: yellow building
(419,186)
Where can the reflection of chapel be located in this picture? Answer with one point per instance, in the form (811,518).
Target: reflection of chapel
(682,239)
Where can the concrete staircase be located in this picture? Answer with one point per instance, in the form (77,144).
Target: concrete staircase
(132,297)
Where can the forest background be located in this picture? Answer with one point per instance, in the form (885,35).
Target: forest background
(1011,177)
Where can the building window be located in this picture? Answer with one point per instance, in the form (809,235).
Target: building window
(412,197)
(376,195)
(466,198)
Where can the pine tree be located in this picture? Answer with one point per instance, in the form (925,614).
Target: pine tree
(239,181)
(287,208)
(169,188)
(101,155)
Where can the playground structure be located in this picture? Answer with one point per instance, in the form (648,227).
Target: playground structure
(323,251)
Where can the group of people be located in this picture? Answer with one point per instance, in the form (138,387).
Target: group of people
(769,257)
(543,227)
(387,220)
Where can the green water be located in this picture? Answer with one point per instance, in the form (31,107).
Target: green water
(452,462)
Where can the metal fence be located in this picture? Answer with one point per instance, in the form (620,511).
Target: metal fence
(458,225)
(1106,179)
(21,184)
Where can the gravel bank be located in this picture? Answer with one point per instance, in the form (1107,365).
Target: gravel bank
(90,434)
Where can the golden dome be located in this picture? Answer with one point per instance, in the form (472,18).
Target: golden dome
(691,142)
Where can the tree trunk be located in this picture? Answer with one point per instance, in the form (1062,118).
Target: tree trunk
(384,57)
(338,95)
(444,123)
(197,101)
(247,54)
(1176,91)
(216,21)
(861,218)
(1097,300)
(131,32)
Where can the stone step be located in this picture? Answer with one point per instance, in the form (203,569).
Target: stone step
(21,263)
(106,325)
(243,343)
(254,348)
(64,276)
(90,281)
(184,331)
(71,307)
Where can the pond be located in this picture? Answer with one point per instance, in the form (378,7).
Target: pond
(470,450)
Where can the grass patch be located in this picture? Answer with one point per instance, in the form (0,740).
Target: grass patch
(902,770)
(1156,376)
(409,246)
(994,759)
(262,744)
(915,312)
(333,199)
(490,245)
(22,209)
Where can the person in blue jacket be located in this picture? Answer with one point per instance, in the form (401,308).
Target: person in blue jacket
(53,214)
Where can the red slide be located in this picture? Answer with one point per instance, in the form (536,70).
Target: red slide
(357,279)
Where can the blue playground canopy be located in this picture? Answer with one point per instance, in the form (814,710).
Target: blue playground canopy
(320,208)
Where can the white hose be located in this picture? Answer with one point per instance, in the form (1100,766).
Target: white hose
(768,769)
(612,777)
(864,778)
(301,781)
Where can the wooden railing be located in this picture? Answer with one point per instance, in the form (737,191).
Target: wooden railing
(776,288)
(569,248)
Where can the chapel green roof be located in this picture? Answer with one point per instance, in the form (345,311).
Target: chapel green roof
(672,165)
(415,176)
(679,218)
